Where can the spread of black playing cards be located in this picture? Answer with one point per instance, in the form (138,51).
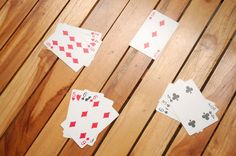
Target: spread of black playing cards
(88,114)
(184,102)
(76,47)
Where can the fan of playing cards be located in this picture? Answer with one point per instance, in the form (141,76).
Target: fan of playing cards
(88,114)
(184,102)
(76,47)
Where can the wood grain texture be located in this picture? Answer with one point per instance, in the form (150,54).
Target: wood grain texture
(223,142)
(121,32)
(14,53)
(139,108)
(198,67)
(52,89)
(11,15)
(38,64)
(219,89)
(123,80)
(2,3)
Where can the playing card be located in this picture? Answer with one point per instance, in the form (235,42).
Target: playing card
(190,107)
(76,47)
(154,34)
(89,113)
(91,40)
(94,118)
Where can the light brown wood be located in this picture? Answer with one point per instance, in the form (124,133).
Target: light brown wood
(123,81)
(223,142)
(26,37)
(198,67)
(219,89)
(48,95)
(35,101)
(38,64)
(139,108)
(11,15)
(122,32)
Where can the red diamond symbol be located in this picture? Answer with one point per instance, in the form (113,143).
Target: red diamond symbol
(146,45)
(95,104)
(65,32)
(78,44)
(162,22)
(72,38)
(54,42)
(75,60)
(72,124)
(84,114)
(87,138)
(61,48)
(78,97)
(70,46)
(95,125)
(85,50)
(154,34)
(106,115)
(68,54)
(82,135)
(93,44)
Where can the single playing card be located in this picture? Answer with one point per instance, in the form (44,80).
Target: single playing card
(190,107)
(154,34)
(65,51)
(91,40)
(95,116)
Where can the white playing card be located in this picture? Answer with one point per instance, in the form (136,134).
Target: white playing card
(154,34)
(99,115)
(191,107)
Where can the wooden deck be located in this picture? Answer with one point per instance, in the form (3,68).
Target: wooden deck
(35,85)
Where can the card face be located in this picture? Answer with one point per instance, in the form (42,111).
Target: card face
(183,102)
(191,108)
(154,34)
(88,114)
(76,47)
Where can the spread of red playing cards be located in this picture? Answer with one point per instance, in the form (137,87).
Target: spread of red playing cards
(154,34)
(88,114)
(75,46)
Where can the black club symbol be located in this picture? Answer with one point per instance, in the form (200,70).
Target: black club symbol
(175,97)
(192,123)
(205,116)
(189,89)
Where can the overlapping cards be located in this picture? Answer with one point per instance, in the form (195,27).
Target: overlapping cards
(184,102)
(76,47)
(88,114)
(154,34)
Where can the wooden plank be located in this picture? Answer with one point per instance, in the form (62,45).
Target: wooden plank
(123,80)
(2,3)
(11,15)
(223,142)
(36,66)
(52,89)
(139,107)
(20,45)
(198,67)
(95,76)
(219,89)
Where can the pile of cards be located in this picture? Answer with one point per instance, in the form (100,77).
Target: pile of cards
(88,114)
(154,34)
(184,102)
(76,47)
